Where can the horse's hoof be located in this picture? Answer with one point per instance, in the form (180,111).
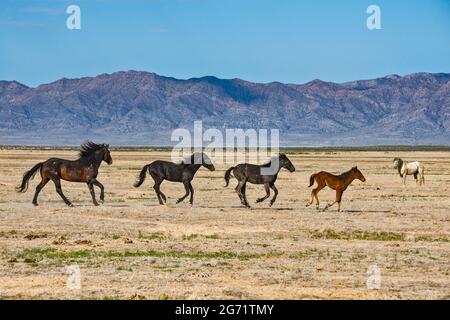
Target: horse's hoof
(102,201)
(70,205)
(35,204)
(96,204)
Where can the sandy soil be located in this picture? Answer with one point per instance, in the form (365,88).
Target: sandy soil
(132,248)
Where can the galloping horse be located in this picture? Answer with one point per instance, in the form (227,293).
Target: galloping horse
(407,168)
(85,169)
(252,173)
(176,172)
(335,182)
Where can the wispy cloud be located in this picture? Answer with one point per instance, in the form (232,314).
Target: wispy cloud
(18,23)
(43,10)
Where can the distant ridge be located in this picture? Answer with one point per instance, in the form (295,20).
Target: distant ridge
(142,108)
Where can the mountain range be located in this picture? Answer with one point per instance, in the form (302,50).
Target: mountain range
(143,108)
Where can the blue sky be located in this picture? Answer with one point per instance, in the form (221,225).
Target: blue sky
(257,40)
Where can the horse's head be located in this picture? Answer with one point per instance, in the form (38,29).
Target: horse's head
(203,159)
(358,175)
(397,163)
(100,152)
(106,154)
(285,162)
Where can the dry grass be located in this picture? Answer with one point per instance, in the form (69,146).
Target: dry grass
(132,248)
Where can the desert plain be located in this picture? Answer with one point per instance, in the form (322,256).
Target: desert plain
(389,241)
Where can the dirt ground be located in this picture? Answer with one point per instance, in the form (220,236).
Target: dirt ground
(132,248)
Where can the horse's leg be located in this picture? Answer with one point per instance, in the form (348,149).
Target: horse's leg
(315,191)
(92,191)
(186,187)
(191,189)
(415,178)
(275,195)
(244,194)
(311,200)
(421,176)
(238,191)
(156,187)
(57,183)
(39,187)
(404,180)
(267,187)
(163,196)
(95,182)
(338,200)
(158,192)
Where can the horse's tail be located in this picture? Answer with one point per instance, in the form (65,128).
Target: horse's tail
(29,175)
(141,176)
(311,180)
(227,176)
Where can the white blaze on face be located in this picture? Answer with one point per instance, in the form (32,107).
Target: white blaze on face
(395,163)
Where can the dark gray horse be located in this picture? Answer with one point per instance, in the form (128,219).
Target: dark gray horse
(176,172)
(254,174)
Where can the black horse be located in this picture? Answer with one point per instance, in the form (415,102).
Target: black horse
(252,173)
(176,172)
(85,169)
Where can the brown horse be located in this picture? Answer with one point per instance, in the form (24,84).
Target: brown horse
(335,182)
(85,169)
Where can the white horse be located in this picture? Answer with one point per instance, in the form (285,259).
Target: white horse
(408,168)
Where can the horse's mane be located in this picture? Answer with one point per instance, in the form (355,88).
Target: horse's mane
(190,159)
(269,162)
(346,173)
(89,148)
